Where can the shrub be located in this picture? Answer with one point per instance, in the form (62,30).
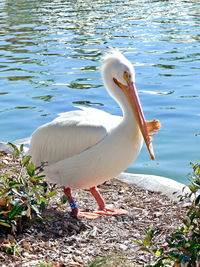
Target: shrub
(23,193)
(183,245)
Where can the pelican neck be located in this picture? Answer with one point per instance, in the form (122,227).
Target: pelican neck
(128,115)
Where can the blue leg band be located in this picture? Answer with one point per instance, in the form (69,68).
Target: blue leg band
(73,205)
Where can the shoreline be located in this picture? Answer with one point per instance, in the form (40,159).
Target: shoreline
(160,184)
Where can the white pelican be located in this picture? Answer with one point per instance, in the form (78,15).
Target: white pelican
(84,148)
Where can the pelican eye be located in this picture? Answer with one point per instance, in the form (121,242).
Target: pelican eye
(127,77)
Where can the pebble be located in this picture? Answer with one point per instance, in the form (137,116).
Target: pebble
(123,247)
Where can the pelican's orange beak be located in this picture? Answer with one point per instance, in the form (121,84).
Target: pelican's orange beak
(145,127)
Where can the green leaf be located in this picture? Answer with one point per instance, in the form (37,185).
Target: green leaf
(34,179)
(37,195)
(5,224)
(137,242)
(148,237)
(197,215)
(30,169)
(197,200)
(63,199)
(187,221)
(26,160)
(158,253)
(185,259)
(42,200)
(193,188)
(21,148)
(15,148)
(14,184)
(52,193)
(14,212)
(196,168)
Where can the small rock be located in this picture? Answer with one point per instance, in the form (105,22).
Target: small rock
(123,247)
(5,161)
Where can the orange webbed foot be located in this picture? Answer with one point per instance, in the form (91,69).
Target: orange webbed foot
(96,213)
(153,126)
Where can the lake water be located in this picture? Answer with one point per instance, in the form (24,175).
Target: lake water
(49,63)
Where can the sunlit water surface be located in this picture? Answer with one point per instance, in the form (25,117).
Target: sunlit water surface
(50,53)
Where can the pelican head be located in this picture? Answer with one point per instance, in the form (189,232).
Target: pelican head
(114,65)
(119,78)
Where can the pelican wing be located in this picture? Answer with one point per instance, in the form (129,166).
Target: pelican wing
(70,134)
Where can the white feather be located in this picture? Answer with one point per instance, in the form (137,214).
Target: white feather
(70,134)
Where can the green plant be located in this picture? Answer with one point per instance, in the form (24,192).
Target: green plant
(183,245)
(23,192)
(98,262)
(10,248)
(46,263)
(112,259)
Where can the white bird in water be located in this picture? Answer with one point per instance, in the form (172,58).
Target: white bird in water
(84,148)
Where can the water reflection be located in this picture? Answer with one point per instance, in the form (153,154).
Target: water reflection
(156,92)
(24,107)
(17,78)
(4,93)
(189,96)
(87,103)
(46,98)
(77,85)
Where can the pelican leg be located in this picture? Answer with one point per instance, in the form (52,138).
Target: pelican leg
(101,203)
(75,211)
(71,201)
(102,210)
